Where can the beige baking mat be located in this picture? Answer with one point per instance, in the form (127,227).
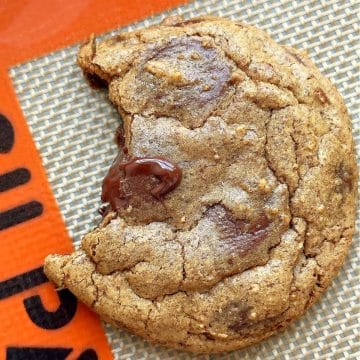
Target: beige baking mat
(73,128)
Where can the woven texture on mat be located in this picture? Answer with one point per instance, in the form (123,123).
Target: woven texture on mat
(73,128)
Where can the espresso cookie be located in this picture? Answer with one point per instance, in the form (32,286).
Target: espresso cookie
(231,202)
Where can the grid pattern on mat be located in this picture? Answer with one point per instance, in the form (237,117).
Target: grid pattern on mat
(73,128)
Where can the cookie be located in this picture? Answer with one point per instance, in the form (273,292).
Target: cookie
(231,202)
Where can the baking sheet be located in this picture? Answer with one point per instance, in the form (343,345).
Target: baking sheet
(73,127)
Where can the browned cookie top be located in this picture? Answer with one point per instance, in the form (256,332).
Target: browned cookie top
(233,193)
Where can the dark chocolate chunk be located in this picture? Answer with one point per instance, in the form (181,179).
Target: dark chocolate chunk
(240,234)
(154,175)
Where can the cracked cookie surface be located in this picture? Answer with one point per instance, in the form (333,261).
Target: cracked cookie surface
(264,213)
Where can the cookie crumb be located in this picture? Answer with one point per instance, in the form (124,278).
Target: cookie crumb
(129,209)
(252,315)
(240,130)
(183,219)
(176,77)
(285,218)
(273,211)
(173,77)
(216,157)
(311,146)
(338,181)
(236,77)
(241,207)
(171,20)
(195,56)
(264,185)
(206,43)
(206,87)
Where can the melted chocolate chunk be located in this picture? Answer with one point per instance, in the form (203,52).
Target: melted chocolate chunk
(168,173)
(240,234)
(183,79)
(111,190)
(139,176)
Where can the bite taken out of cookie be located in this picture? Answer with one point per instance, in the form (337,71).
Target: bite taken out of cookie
(230,205)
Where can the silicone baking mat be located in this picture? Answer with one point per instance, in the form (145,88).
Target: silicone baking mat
(73,125)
